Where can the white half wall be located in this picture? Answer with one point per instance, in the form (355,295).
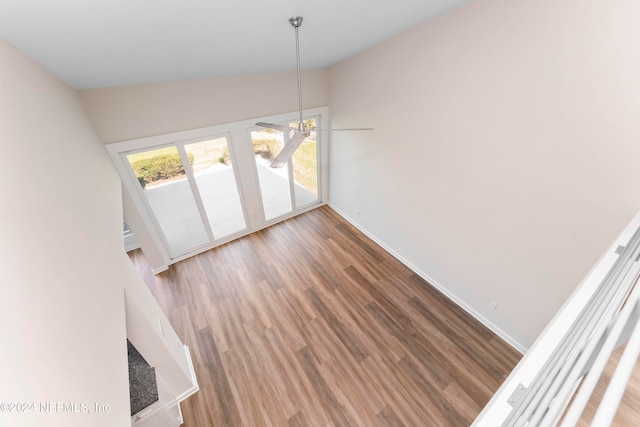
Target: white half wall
(63,265)
(505,155)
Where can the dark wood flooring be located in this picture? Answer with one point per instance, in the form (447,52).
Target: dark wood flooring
(310,323)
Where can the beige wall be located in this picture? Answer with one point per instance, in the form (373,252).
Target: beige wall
(63,267)
(129,112)
(505,155)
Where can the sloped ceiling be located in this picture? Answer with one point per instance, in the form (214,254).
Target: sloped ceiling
(102,43)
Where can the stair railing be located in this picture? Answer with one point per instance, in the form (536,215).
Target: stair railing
(554,381)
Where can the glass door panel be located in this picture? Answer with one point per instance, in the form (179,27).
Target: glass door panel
(216,182)
(192,192)
(274,183)
(305,167)
(163,181)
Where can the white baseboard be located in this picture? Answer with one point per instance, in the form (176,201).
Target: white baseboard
(463,305)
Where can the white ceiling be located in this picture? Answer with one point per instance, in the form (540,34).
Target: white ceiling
(99,43)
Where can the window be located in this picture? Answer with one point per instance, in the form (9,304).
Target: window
(199,188)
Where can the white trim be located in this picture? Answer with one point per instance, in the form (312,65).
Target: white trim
(195,388)
(496,330)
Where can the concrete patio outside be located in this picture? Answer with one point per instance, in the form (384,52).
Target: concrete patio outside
(176,211)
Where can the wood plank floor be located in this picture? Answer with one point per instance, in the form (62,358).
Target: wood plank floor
(310,323)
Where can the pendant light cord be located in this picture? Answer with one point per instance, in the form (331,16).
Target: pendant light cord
(300,123)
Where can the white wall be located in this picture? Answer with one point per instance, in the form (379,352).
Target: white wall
(129,112)
(63,267)
(505,155)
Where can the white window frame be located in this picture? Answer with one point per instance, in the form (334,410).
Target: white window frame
(241,149)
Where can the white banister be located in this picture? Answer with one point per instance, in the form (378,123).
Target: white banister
(611,400)
(599,316)
(564,386)
(589,383)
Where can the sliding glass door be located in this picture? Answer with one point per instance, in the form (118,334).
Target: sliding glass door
(274,183)
(163,182)
(216,184)
(191,192)
(305,167)
(295,185)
